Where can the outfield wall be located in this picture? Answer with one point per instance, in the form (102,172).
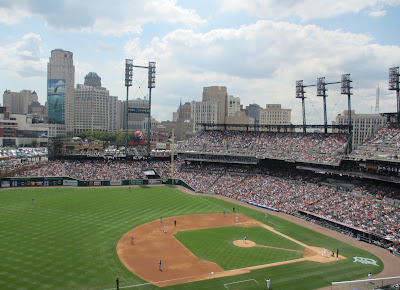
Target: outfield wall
(67,181)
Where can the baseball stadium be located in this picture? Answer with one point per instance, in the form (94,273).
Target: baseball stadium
(225,209)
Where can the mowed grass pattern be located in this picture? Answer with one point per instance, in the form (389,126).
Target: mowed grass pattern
(216,245)
(67,239)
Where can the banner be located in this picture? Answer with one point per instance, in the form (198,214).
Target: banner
(56,100)
(115,182)
(5,184)
(155,181)
(70,182)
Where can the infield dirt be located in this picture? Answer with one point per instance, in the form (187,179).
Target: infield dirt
(179,265)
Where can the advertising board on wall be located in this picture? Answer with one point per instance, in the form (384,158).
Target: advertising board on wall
(56,100)
(115,182)
(70,182)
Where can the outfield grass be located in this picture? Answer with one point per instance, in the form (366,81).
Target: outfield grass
(67,240)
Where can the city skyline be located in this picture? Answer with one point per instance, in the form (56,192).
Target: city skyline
(257,50)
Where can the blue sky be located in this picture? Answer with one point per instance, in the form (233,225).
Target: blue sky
(257,49)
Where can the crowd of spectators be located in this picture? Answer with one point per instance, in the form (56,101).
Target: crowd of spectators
(305,147)
(366,206)
(383,145)
(95,169)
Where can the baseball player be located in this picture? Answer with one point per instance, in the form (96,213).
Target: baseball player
(165,229)
(325,254)
(244,239)
(268,282)
(159,266)
(132,240)
(160,219)
(237,219)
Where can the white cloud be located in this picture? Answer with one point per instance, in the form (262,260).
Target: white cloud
(304,9)
(121,17)
(11,12)
(261,62)
(22,58)
(377,13)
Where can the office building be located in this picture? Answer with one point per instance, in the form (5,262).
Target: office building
(18,103)
(61,91)
(219,95)
(273,114)
(364,125)
(253,111)
(233,106)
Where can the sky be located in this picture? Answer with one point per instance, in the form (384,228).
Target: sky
(258,49)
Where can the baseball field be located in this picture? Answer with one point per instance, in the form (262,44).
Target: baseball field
(80,238)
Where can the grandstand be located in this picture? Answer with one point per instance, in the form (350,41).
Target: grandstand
(306,175)
(296,147)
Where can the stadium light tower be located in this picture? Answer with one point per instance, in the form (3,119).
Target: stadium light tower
(346,90)
(300,95)
(321,92)
(128,83)
(151,85)
(394,86)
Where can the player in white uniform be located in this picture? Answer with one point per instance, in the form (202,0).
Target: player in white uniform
(268,282)
(325,254)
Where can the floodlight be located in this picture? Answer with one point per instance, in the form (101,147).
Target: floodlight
(299,89)
(128,72)
(152,75)
(345,85)
(394,78)
(321,87)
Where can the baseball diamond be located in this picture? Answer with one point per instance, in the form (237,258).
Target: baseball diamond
(74,238)
(183,266)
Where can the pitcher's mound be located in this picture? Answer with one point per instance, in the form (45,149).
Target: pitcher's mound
(243,244)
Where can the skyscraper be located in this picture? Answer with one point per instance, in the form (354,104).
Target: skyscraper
(18,103)
(92,79)
(95,109)
(220,95)
(60,90)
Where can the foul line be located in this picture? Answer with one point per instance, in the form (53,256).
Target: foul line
(239,282)
(290,250)
(275,224)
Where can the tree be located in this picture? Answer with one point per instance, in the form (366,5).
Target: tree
(34,143)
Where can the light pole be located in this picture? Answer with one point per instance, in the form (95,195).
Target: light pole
(346,90)
(128,83)
(300,95)
(151,85)
(321,92)
(394,86)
